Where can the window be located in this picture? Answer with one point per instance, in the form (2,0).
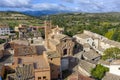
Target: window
(90,47)
(87,40)
(65,40)
(51,59)
(58,75)
(119,68)
(83,50)
(35,65)
(52,70)
(44,77)
(53,37)
(65,52)
(39,78)
(19,61)
(93,44)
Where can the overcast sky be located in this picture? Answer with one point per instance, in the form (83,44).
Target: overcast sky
(70,5)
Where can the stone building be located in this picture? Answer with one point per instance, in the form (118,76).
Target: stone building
(22,73)
(98,42)
(4,30)
(27,63)
(2,70)
(115,67)
(31,67)
(26,31)
(60,47)
(55,64)
(1,54)
(57,41)
(31,61)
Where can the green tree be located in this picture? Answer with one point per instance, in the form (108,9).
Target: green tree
(17,34)
(111,53)
(2,41)
(12,25)
(110,34)
(99,71)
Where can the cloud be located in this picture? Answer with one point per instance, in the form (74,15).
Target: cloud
(89,5)
(28,5)
(69,5)
(70,1)
(95,5)
(15,3)
(49,6)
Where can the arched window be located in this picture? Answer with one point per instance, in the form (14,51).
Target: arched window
(65,52)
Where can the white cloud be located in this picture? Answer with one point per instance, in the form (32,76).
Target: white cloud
(69,5)
(15,3)
(96,5)
(28,5)
(48,6)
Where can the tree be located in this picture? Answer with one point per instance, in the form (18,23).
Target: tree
(110,34)
(99,71)
(111,53)
(12,25)
(2,41)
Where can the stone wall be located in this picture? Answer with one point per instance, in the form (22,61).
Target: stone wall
(67,45)
(55,64)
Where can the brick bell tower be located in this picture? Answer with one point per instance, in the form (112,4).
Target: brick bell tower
(47,32)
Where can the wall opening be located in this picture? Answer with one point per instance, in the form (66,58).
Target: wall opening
(65,52)
(39,78)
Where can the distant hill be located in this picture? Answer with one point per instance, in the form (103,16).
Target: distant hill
(13,18)
(13,15)
(44,12)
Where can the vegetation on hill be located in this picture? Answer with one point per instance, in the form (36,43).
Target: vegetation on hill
(106,24)
(111,53)
(99,71)
(14,18)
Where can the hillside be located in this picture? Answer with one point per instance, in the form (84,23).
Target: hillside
(106,24)
(41,13)
(14,18)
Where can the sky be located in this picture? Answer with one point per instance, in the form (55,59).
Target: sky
(67,5)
